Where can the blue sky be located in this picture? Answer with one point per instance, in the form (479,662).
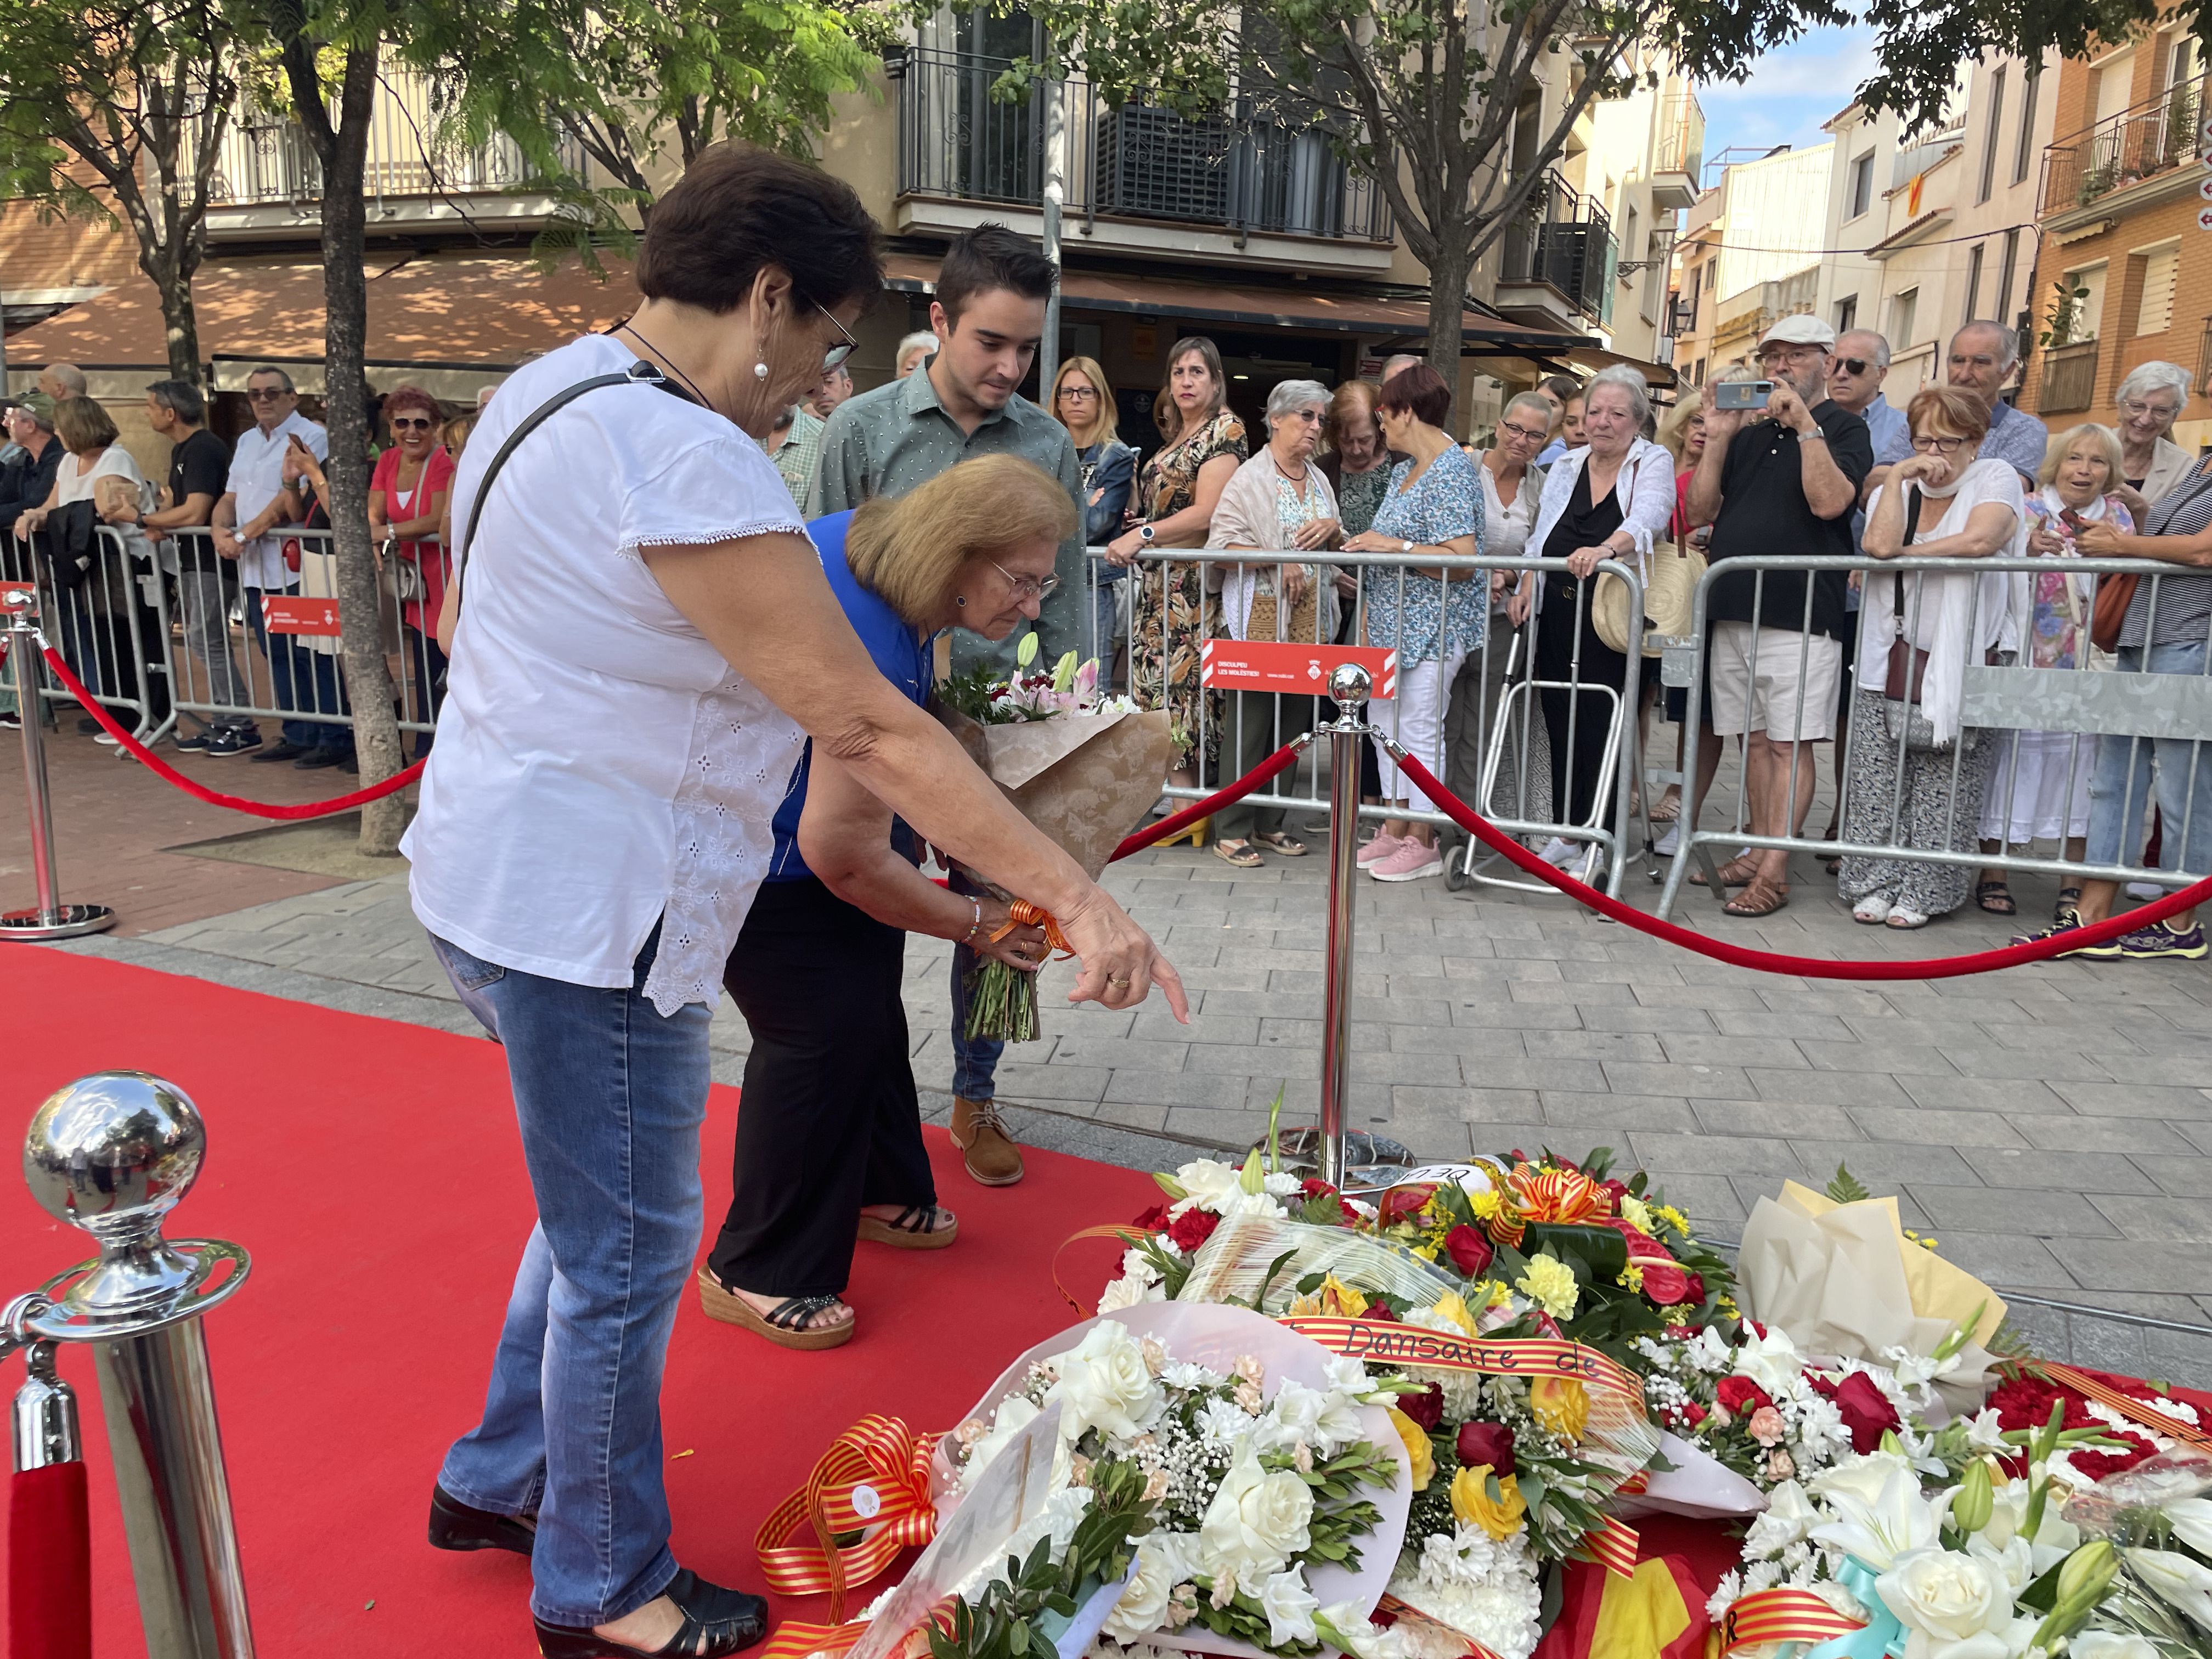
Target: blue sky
(1788,93)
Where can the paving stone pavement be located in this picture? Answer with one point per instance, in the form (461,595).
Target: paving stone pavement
(2051,1125)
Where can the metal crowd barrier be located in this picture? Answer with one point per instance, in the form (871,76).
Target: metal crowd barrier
(111,624)
(1486,735)
(2017,722)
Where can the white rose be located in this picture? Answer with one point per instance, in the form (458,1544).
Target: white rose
(1015,1413)
(1290,1606)
(1947,1600)
(1771,1361)
(2015,1561)
(1104,1384)
(2109,1645)
(1163,1562)
(1300,1414)
(1206,1185)
(1256,1521)
(1130,1291)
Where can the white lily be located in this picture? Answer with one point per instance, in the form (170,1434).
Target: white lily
(2182,1581)
(2192,1523)
(1896,1520)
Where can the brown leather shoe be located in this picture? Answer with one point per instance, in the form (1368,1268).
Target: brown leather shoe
(991,1155)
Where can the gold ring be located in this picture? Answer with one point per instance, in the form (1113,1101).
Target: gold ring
(1112,979)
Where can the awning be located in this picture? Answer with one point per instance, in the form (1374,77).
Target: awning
(429,316)
(1240,306)
(1918,230)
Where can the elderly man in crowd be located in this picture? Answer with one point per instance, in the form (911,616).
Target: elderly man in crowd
(836,387)
(1983,356)
(1785,484)
(60,381)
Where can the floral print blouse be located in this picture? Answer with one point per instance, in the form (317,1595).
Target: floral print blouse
(1171,475)
(1446,501)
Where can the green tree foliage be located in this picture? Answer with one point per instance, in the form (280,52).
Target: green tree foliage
(136,98)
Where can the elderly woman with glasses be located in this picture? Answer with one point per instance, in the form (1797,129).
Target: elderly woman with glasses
(831,1129)
(2150,400)
(1278,502)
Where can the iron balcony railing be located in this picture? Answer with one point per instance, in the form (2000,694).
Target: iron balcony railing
(266,157)
(2069,378)
(1236,170)
(1681,135)
(1564,238)
(2156,135)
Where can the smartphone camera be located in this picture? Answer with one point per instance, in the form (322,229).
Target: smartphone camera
(1742,394)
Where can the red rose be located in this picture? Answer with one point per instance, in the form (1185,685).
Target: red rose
(1154,1220)
(1404,1203)
(1739,1396)
(1379,1308)
(1614,1190)
(1314,1186)
(1487,1443)
(1470,1252)
(1192,1228)
(1665,1284)
(1517,1155)
(2102,1465)
(1697,1296)
(1425,1408)
(1866,1410)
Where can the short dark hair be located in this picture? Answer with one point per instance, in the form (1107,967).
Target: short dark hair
(987,257)
(1419,392)
(181,398)
(1562,387)
(739,209)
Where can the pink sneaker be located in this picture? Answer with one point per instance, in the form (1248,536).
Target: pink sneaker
(1412,861)
(1380,848)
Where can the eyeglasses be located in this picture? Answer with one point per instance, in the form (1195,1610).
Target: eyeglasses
(1790,355)
(265,394)
(1310,416)
(1026,587)
(1854,365)
(420,423)
(1078,394)
(1938,446)
(836,353)
(2136,406)
(1526,434)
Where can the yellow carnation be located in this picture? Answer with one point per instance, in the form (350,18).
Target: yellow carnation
(1486,1204)
(1638,1214)
(1561,1404)
(1474,1506)
(1452,1306)
(1550,1283)
(1419,1454)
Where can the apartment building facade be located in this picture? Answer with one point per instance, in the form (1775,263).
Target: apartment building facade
(1748,254)
(2124,276)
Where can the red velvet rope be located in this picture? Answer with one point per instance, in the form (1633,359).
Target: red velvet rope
(1176,823)
(1775,962)
(49,1562)
(162,769)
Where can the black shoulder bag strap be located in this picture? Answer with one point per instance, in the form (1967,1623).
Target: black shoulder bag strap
(1912,501)
(638,374)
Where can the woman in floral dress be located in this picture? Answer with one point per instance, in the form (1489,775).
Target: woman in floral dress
(1177,495)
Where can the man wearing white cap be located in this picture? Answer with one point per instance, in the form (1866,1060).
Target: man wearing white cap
(1784,483)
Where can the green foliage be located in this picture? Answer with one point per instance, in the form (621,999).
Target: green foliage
(1847,1188)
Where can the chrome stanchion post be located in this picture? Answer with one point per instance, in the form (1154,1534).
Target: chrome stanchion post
(112,1153)
(1348,687)
(19,603)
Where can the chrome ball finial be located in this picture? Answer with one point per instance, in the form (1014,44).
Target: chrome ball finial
(1350,685)
(112,1153)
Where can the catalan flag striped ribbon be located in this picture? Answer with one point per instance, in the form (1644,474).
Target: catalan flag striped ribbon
(1400,1612)
(1782,1615)
(2090,1388)
(874,1480)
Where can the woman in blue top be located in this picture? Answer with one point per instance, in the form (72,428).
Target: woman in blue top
(1431,620)
(831,1129)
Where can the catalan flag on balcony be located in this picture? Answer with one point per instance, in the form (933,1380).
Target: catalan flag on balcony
(1912,196)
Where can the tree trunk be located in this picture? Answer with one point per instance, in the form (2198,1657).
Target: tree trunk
(345,300)
(180,324)
(1448,313)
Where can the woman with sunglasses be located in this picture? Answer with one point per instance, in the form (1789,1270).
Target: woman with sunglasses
(407,495)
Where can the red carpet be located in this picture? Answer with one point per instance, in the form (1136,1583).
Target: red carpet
(372,1170)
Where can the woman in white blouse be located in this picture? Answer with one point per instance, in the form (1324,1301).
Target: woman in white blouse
(646,641)
(1609,499)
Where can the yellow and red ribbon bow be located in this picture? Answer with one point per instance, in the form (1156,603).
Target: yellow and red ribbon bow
(1782,1615)
(874,1480)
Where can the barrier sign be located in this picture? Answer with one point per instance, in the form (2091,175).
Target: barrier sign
(295,613)
(1270,666)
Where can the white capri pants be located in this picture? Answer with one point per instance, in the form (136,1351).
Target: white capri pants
(1415,717)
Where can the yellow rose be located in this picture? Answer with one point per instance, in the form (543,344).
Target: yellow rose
(1550,1283)
(1339,1298)
(1561,1405)
(1452,1306)
(1474,1506)
(1419,1454)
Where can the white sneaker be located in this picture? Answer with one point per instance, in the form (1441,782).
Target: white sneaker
(108,740)
(1668,844)
(1559,852)
(2146,890)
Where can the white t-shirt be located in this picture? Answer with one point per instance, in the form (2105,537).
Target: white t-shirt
(600,767)
(257,473)
(72,484)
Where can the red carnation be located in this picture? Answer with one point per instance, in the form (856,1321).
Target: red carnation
(2025,1401)
(1425,1408)
(1192,1228)
(1694,1413)
(1697,1296)
(1470,1252)
(1739,1396)
(1487,1443)
(2102,1465)
(1614,1190)
(1314,1186)
(1404,1203)
(1866,1410)
(1665,1285)
(1154,1220)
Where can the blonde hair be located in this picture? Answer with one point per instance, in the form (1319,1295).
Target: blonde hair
(82,424)
(2088,432)
(1106,424)
(1675,430)
(911,551)
(1956,410)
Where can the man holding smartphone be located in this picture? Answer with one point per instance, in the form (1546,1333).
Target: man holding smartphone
(1785,483)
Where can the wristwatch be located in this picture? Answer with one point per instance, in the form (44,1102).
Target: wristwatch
(1146,534)
(1409,547)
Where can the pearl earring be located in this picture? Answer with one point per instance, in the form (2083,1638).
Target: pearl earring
(760,371)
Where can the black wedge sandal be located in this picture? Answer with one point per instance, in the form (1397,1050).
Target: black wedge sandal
(914,1228)
(788,1324)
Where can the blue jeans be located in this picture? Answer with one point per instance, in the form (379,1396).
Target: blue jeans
(301,679)
(974,1059)
(2128,768)
(610,1097)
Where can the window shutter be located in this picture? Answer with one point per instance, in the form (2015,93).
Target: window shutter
(2156,314)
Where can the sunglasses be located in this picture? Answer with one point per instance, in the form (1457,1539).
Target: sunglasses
(836,353)
(1853,365)
(265,394)
(419,424)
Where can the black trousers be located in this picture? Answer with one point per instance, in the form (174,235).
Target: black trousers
(830,1122)
(1574,775)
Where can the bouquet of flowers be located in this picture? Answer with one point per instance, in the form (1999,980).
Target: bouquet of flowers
(1081,766)
(1244,1464)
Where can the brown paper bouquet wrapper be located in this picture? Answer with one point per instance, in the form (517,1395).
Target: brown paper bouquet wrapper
(1086,781)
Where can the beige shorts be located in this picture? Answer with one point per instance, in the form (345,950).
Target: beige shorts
(1790,693)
